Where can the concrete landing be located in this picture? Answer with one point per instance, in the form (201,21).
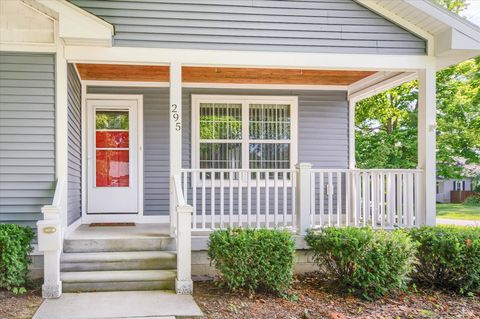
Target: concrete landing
(119,305)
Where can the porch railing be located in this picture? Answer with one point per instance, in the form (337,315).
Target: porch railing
(377,198)
(240,197)
(302,198)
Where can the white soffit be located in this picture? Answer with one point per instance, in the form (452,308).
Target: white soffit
(456,39)
(76,26)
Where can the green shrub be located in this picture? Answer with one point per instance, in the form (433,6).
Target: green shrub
(449,257)
(15,247)
(363,261)
(260,259)
(473,200)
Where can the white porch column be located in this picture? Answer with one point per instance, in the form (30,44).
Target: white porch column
(303,197)
(427,144)
(61,125)
(351,134)
(175,135)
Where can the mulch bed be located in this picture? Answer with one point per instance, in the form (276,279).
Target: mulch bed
(19,306)
(317,300)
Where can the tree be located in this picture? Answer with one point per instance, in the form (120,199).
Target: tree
(386,124)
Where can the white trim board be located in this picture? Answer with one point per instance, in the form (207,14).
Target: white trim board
(88,218)
(261,59)
(218,85)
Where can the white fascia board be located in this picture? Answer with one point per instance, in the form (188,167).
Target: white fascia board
(326,61)
(77,26)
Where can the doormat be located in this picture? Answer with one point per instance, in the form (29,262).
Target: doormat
(112,224)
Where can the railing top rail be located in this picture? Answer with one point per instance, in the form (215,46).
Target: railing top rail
(178,190)
(57,197)
(332,170)
(234,170)
(325,170)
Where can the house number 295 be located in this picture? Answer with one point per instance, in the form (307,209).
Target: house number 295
(176,117)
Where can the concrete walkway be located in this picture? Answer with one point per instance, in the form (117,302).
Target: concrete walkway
(119,305)
(458,222)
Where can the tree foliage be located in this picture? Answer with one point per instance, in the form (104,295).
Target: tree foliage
(386,124)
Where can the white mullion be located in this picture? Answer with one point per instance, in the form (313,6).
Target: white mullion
(245,135)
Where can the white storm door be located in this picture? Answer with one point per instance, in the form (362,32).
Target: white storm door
(112,156)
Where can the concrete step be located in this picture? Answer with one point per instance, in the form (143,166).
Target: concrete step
(125,280)
(130,260)
(91,245)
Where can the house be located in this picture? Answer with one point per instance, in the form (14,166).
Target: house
(446,186)
(179,117)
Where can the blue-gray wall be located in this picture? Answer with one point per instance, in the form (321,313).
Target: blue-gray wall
(339,26)
(27,136)
(322,125)
(74,209)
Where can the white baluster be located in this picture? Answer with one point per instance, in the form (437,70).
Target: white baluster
(194,198)
(222,199)
(240,199)
(330,198)
(312,199)
(284,177)
(339,199)
(275,198)
(321,200)
(230,215)
(204,181)
(212,201)
(267,200)
(249,199)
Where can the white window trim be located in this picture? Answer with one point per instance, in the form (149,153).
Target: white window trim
(245,100)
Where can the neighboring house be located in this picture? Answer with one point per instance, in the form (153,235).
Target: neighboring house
(446,186)
(241,112)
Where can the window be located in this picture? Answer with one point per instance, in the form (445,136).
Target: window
(112,148)
(458,186)
(244,132)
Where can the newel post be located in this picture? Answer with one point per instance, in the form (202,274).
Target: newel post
(183,282)
(303,201)
(50,243)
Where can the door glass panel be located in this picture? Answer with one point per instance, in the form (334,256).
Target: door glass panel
(112,149)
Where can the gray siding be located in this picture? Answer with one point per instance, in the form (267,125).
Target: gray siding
(155,132)
(323,138)
(27,136)
(74,210)
(339,26)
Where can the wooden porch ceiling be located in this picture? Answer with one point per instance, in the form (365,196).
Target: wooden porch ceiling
(147,73)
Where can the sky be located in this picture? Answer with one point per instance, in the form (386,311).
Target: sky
(473,11)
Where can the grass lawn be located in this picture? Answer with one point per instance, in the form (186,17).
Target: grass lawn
(458,211)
